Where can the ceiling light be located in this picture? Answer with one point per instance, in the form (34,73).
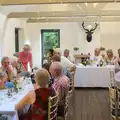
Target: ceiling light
(95,4)
(78,5)
(86,4)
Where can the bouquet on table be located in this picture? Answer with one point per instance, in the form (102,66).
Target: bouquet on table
(87,62)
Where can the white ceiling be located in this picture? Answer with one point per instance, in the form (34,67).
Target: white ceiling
(48,11)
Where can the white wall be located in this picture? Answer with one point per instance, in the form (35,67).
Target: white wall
(71,35)
(7,34)
(110,35)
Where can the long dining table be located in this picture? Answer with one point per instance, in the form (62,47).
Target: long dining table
(93,76)
(8,103)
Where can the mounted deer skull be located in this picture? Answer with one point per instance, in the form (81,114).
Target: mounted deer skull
(89,31)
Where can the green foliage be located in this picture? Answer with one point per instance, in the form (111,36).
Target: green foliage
(51,40)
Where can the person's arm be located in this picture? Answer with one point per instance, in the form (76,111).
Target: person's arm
(16,54)
(30,60)
(116,60)
(10,72)
(28,99)
(65,62)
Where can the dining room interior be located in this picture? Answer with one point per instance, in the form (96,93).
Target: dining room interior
(83,28)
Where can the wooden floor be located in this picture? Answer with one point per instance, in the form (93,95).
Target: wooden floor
(91,104)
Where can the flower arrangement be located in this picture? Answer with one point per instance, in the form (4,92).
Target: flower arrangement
(75,48)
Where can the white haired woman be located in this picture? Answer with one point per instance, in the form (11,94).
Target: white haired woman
(17,66)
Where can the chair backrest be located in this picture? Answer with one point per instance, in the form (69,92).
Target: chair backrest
(113,95)
(68,99)
(112,87)
(112,78)
(52,108)
(66,107)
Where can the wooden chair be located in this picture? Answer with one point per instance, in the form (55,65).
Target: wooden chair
(52,107)
(113,95)
(72,98)
(69,101)
(117,105)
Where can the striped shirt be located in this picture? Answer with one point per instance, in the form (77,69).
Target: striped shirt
(61,85)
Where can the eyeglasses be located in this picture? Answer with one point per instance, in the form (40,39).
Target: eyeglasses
(6,62)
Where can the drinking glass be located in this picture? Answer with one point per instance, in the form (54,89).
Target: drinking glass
(9,92)
(1,97)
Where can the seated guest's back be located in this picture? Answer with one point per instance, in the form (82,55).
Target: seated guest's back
(61,82)
(64,61)
(39,98)
(57,58)
(61,85)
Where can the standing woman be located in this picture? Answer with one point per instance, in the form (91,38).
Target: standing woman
(25,56)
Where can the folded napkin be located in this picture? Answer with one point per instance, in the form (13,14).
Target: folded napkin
(9,85)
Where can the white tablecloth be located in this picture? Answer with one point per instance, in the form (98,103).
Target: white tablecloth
(9,104)
(93,76)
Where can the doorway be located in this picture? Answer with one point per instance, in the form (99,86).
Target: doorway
(19,39)
(50,40)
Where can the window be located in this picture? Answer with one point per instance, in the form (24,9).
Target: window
(50,40)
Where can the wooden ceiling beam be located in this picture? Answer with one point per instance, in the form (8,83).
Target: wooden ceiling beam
(26,2)
(63,14)
(90,19)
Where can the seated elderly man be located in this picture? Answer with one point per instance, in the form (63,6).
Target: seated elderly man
(67,55)
(61,85)
(56,58)
(6,68)
(64,61)
(97,57)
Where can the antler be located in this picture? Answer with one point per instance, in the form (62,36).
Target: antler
(94,27)
(84,26)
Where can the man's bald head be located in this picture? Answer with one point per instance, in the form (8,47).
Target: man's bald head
(56,69)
